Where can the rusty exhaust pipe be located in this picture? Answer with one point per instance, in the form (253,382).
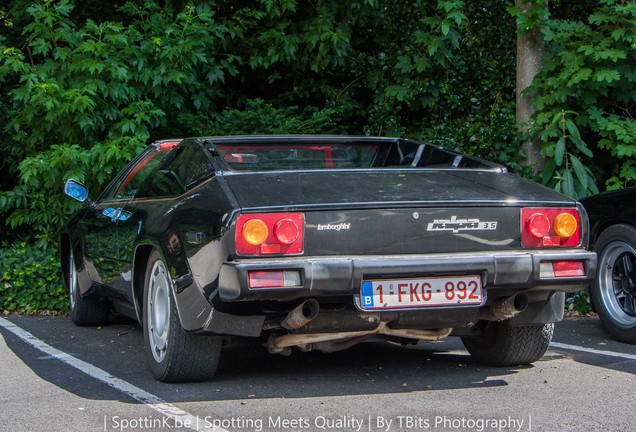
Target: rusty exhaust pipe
(301,315)
(307,342)
(507,308)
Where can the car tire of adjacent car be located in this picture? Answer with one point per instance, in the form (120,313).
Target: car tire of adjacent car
(84,312)
(614,289)
(173,354)
(500,344)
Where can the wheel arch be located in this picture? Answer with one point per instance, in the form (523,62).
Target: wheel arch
(180,278)
(67,245)
(602,226)
(65,254)
(140,261)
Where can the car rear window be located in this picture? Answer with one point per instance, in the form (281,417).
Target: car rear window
(297,156)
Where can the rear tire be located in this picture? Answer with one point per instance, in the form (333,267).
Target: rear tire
(613,292)
(500,344)
(84,312)
(173,354)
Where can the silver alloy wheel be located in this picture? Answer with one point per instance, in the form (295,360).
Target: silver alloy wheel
(617,283)
(72,281)
(158,311)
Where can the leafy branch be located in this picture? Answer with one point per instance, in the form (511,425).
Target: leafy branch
(564,171)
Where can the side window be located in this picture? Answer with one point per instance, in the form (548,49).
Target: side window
(191,165)
(186,167)
(133,181)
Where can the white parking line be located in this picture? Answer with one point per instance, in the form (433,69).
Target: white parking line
(148,399)
(593,351)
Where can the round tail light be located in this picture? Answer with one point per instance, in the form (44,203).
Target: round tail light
(286,231)
(255,232)
(565,225)
(538,225)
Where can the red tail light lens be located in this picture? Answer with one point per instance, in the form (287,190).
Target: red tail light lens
(538,225)
(270,234)
(168,145)
(286,231)
(550,227)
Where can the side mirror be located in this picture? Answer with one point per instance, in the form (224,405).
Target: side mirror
(76,190)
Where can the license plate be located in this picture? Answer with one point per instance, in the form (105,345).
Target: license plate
(421,292)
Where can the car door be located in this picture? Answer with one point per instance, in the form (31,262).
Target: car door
(103,246)
(163,202)
(100,245)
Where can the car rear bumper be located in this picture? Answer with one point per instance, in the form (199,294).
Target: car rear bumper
(507,272)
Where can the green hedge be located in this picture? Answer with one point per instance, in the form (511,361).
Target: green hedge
(30,279)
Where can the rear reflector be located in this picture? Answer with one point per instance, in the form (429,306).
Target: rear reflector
(561,269)
(274,279)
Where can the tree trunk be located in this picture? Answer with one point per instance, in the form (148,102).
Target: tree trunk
(529,51)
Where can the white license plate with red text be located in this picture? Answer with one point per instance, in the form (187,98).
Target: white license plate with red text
(416,293)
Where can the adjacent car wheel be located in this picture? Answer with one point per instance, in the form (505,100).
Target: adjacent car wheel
(84,312)
(500,344)
(173,354)
(614,289)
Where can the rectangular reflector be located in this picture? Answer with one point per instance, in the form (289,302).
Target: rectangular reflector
(274,279)
(561,269)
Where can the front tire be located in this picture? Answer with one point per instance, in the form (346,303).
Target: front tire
(173,354)
(84,312)
(614,289)
(500,344)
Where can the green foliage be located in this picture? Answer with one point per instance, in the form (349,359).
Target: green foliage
(442,77)
(578,302)
(85,98)
(263,118)
(530,15)
(408,73)
(37,201)
(29,279)
(489,133)
(86,88)
(587,88)
(564,171)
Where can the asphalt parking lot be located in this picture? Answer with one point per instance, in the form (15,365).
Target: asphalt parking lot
(56,376)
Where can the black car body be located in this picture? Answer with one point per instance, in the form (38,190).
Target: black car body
(321,242)
(613,236)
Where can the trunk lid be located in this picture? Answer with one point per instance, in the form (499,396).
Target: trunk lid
(381,187)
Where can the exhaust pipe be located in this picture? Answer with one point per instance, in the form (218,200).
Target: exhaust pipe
(325,341)
(507,308)
(301,315)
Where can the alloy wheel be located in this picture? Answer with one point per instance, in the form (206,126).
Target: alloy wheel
(158,311)
(617,282)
